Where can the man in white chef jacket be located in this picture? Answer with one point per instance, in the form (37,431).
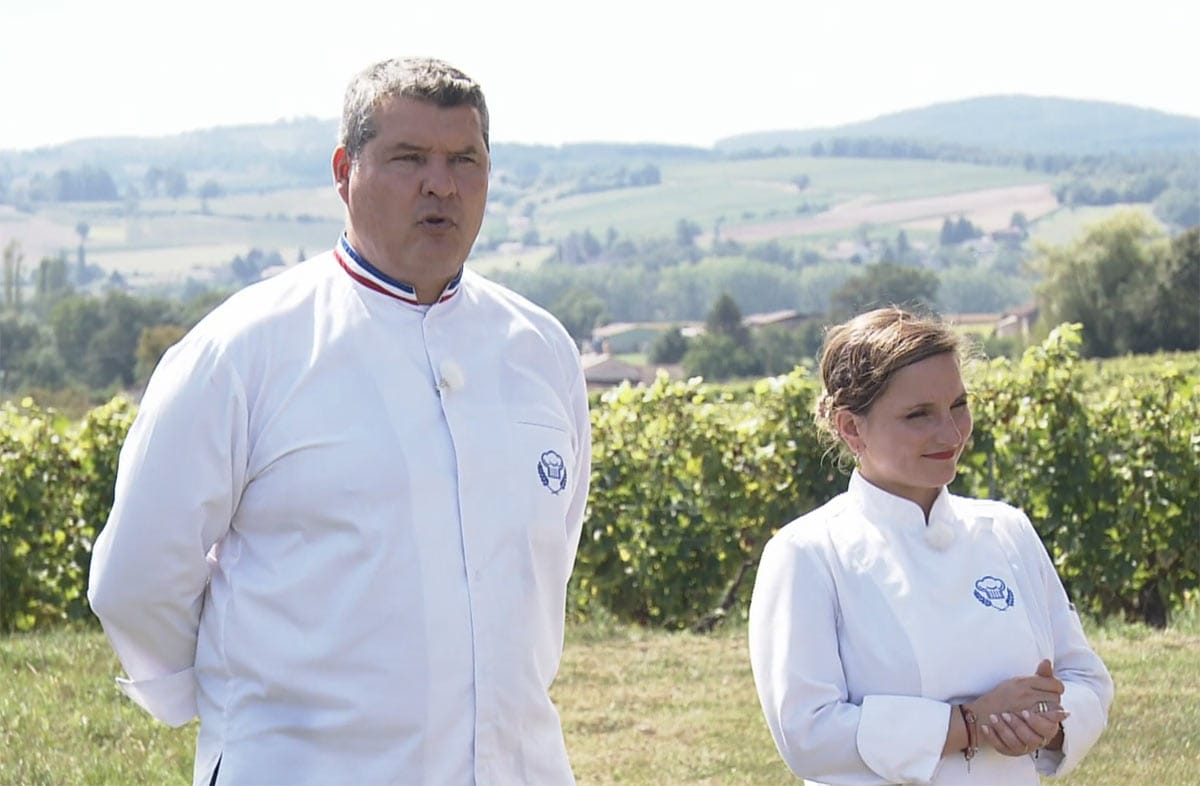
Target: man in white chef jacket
(347,512)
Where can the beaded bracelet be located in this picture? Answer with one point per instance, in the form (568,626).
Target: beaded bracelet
(972,734)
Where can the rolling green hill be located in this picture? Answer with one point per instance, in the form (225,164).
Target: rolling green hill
(1016,123)
(273,190)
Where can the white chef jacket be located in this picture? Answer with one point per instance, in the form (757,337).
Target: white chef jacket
(866,625)
(343,530)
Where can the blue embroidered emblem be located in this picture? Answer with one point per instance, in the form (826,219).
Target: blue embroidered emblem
(994,593)
(552,471)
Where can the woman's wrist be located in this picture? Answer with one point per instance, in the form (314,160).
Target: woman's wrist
(1056,742)
(971,724)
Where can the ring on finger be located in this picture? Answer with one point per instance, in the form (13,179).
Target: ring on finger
(1043,706)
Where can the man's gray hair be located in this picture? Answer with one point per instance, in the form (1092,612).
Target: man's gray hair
(421,78)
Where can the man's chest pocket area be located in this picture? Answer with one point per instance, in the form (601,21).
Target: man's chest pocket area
(534,472)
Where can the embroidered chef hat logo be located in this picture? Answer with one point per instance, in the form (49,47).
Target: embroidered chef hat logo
(553,471)
(994,593)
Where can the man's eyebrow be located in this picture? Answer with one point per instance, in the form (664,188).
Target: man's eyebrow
(407,146)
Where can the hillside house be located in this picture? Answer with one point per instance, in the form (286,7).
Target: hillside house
(1018,322)
(788,317)
(602,370)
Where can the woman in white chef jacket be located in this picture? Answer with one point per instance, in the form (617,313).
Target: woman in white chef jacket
(901,634)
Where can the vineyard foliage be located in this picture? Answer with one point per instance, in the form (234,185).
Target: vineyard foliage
(689,480)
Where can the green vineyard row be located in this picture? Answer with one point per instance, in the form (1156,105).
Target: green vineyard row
(689,480)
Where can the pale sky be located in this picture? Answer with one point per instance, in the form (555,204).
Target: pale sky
(557,71)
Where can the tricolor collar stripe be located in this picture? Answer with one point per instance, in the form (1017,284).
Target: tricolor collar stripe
(375,279)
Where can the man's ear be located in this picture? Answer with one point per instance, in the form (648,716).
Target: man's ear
(341,172)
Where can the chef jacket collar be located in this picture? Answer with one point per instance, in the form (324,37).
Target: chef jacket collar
(884,509)
(371,277)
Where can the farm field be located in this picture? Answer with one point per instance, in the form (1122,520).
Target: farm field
(163,241)
(744,194)
(639,708)
(1067,224)
(990,209)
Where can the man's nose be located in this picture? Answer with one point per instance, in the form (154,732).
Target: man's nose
(438,178)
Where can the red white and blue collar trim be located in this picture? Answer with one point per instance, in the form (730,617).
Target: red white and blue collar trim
(372,277)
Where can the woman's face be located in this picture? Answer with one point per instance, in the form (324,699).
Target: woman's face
(909,441)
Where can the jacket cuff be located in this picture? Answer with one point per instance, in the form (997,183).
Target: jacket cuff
(1082,729)
(171,699)
(901,737)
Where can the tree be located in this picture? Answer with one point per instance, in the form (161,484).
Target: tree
(210,189)
(81,229)
(153,342)
(718,357)
(980,290)
(781,348)
(152,181)
(686,232)
(1175,301)
(649,175)
(960,231)
(12,275)
(1179,207)
(27,355)
(884,284)
(82,185)
(580,311)
(175,183)
(74,320)
(1130,289)
(669,347)
(52,284)
(725,319)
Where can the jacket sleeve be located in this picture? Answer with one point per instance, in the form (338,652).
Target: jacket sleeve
(819,732)
(582,426)
(179,478)
(1089,687)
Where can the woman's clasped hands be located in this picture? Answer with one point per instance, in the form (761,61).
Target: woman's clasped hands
(1022,715)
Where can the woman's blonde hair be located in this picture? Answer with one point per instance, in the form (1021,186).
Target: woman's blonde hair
(860,356)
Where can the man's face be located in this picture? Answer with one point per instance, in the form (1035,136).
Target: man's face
(416,194)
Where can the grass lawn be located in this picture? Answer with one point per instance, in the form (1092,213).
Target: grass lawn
(639,707)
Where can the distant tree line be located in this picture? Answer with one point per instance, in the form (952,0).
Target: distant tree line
(610,179)
(60,333)
(83,184)
(675,278)
(1133,289)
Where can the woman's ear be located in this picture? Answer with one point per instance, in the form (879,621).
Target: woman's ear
(848,429)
